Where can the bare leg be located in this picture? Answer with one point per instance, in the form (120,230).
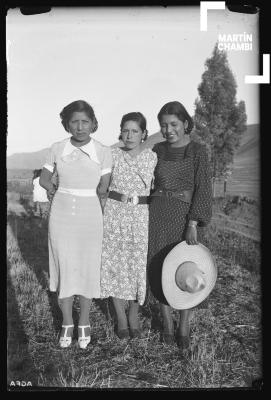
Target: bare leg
(135,329)
(119,305)
(183,340)
(184,328)
(168,326)
(65,305)
(133,314)
(84,315)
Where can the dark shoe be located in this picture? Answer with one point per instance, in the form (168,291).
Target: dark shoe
(168,338)
(183,342)
(135,333)
(123,333)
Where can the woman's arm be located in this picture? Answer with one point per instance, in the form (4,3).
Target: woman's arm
(191,236)
(102,189)
(106,172)
(201,207)
(46,183)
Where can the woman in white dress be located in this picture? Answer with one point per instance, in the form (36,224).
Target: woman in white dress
(83,166)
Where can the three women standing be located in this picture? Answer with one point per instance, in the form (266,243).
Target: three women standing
(95,257)
(76,224)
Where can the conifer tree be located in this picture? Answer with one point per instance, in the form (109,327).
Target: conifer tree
(219,120)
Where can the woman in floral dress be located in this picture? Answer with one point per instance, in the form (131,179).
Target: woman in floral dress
(125,242)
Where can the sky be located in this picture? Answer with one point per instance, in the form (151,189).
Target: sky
(119,60)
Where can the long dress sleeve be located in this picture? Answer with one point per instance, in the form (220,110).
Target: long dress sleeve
(201,206)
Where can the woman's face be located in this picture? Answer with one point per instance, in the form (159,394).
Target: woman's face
(131,134)
(172,128)
(80,126)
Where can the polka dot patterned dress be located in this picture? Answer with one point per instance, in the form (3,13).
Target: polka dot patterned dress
(180,168)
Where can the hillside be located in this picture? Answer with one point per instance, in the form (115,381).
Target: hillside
(250,142)
(31,161)
(245,179)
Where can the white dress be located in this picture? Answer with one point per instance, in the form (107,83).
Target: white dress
(76,222)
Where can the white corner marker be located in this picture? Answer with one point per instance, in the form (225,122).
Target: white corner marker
(208,5)
(265,77)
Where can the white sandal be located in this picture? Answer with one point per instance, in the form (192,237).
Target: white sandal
(65,341)
(83,340)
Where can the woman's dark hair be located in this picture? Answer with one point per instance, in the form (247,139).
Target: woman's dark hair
(176,108)
(78,106)
(136,117)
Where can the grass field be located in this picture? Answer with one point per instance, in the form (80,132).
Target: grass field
(225,329)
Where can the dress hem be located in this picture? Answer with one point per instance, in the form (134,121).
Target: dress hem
(123,298)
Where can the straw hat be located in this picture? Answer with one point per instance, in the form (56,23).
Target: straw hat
(188,276)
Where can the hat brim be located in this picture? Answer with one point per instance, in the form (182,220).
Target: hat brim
(181,253)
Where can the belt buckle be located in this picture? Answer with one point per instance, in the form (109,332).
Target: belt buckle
(135,200)
(124,198)
(169,193)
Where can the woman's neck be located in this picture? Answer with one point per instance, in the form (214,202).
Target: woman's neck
(79,144)
(133,152)
(180,143)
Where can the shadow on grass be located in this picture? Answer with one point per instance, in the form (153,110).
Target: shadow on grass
(19,364)
(107,308)
(31,234)
(27,204)
(148,312)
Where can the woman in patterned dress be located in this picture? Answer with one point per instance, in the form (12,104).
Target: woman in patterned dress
(83,167)
(180,205)
(125,243)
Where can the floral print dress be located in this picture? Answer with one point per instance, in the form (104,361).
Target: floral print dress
(125,240)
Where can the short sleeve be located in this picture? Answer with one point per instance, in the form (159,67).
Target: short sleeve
(51,159)
(106,161)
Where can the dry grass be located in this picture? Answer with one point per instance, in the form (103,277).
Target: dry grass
(235,235)
(225,331)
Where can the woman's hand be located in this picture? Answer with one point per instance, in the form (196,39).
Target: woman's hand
(45,182)
(191,234)
(102,202)
(50,193)
(102,189)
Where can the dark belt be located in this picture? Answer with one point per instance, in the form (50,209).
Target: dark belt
(128,199)
(184,195)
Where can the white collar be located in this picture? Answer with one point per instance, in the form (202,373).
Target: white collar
(88,148)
